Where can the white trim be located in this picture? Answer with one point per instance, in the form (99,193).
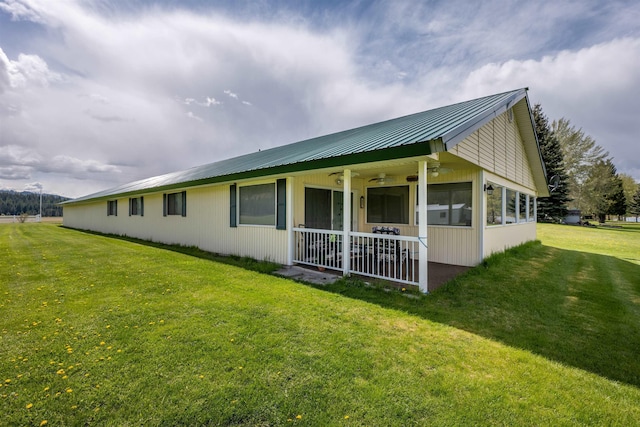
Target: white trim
(423,277)
(289,220)
(346,221)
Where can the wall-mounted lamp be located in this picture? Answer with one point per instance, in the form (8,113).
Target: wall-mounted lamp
(361,202)
(489,189)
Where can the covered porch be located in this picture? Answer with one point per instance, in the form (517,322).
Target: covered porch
(388,236)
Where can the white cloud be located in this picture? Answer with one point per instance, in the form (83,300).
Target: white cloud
(20,10)
(231,94)
(140,89)
(193,116)
(595,88)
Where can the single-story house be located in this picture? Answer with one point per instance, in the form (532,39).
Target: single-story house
(450,185)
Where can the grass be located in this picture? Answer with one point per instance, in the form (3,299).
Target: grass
(96,330)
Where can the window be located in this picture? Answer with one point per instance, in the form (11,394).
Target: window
(532,209)
(494,205)
(449,204)
(258,204)
(388,205)
(175,204)
(112,208)
(136,206)
(511,207)
(522,211)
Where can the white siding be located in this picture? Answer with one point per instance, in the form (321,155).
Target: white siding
(205,226)
(498,148)
(500,238)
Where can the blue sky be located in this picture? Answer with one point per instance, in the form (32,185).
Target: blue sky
(98,93)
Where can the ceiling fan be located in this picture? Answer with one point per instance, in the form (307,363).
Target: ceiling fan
(435,169)
(382,178)
(340,178)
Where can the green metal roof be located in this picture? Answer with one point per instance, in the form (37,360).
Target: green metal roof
(414,135)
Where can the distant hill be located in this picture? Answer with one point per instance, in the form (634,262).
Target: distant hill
(16,203)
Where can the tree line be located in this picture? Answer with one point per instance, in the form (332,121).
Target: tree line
(26,202)
(582,175)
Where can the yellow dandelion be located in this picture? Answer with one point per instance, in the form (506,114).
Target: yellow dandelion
(43,423)
(69,390)
(108,326)
(7,381)
(119,351)
(29,405)
(74,407)
(64,377)
(299,417)
(46,389)
(404,289)
(102,343)
(60,372)
(346,417)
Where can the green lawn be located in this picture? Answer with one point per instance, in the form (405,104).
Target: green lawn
(103,331)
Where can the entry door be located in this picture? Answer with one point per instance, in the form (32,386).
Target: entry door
(323,209)
(317,208)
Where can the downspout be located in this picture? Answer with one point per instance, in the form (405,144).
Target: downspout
(346,223)
(423,276)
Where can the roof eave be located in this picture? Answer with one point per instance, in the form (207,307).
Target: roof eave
(421,148)
(458,134)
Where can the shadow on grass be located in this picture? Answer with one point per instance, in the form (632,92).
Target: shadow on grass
(247,263)
(575,308)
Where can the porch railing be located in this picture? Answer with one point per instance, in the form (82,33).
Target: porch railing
(383,256)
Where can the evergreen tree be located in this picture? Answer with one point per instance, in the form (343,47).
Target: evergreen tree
(618,199)
(604,194)
(554,207)
(634,205)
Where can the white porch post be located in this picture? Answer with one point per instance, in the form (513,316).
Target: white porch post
(481,216)
(346,223)
(422,226)
(291,241)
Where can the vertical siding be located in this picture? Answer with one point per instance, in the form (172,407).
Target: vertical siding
(500,238)
(205,226)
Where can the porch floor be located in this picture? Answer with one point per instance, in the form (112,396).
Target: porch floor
(439,274)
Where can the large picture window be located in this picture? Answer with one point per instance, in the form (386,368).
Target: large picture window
(532,209)
(494,204)
(388,205)
(258,204)
(522,211)
(511,206)
(449,204)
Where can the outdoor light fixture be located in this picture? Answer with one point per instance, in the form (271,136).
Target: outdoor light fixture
(489,189)
(361,202)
